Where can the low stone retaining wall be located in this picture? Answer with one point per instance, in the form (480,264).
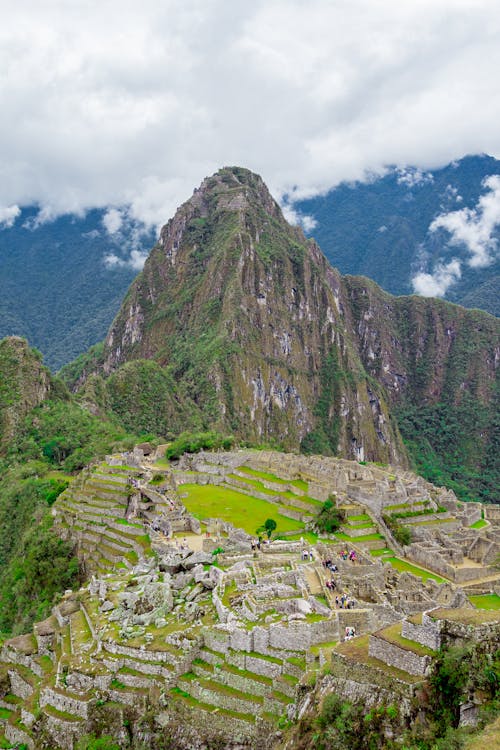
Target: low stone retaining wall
(16,657)
(18,737)
(64,702)
(395,656)
(427,634)
(18,686)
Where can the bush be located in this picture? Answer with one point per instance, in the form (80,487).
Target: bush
(189,442)
(402,534)
(330,518)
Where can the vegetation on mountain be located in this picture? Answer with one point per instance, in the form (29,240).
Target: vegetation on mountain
(46,436)
(343,724)
(189,442)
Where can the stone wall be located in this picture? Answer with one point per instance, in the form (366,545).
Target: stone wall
(64,702)
(395,656)
(18,737)
(492,512)
(427,634)
(430,559)
(19,686)
(376,685)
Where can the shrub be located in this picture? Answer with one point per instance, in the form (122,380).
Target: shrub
(330,518)
(189,442)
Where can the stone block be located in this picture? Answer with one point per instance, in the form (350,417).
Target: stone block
(241,640)
(395,656)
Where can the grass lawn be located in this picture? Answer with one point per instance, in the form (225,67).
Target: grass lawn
(486,601)
(380,552)
(307,536)
(479,524)
(273,478)
(402,565)
(392,634)
(354,539)
(212,501)
(162,462)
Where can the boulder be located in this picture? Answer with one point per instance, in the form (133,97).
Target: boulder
(197,558)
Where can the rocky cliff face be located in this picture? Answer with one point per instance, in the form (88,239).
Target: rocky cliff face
(267,340)
(24,384)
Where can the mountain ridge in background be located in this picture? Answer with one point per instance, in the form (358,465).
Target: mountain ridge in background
(380,228)
(57,290)
(55,287)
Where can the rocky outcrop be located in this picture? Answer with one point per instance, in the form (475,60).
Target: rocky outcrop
(24,384)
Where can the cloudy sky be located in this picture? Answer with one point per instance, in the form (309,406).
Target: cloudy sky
(121,103)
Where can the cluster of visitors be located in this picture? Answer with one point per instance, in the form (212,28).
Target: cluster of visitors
(331,585)
(345,555)
(345,602)
(331,566)
(255,544)
(350,632)
(307,554)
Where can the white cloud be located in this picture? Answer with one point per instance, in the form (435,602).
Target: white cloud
(112,220)
(413,176)
(8,215)
(127,104)
(297,218)
(436,284)
(474,227)
(135,260)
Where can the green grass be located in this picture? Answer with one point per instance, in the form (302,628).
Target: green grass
(404,566)
(479,524)
(365,538)
(380,552)
(486,601)
(392,634)
(360,525)
(5,713)
(273,478)
(362,517)
(212,501)
(307,536)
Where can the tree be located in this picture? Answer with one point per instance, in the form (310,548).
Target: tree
(268,527)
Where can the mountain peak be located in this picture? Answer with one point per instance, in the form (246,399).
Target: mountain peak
(261,337)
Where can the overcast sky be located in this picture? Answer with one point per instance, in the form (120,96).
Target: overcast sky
(114,102)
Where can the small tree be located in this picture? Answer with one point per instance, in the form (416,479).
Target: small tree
(268,528)
(329,518)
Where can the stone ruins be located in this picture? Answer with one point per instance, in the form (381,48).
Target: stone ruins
(187,619)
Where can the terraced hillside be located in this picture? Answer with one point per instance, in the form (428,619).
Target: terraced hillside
(187,626)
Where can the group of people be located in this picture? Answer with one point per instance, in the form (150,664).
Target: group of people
(331,585)
(344,602)
(307,554)
(345,555)
(331,566)
(350,632)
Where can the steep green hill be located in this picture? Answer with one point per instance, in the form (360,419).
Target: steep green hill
(45,437)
